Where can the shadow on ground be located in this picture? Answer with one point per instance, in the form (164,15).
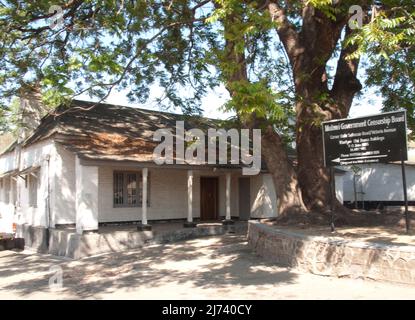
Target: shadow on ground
(206,263)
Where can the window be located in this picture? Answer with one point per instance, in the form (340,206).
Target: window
(132,188)
(128,189)
(33,178)
(118,189)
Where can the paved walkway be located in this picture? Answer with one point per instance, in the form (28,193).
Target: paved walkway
(220,267)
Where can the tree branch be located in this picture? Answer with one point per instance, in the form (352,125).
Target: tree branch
(346,84)
(285,29)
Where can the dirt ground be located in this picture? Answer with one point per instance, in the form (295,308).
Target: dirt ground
(219,267)
(385,227)
(375,234)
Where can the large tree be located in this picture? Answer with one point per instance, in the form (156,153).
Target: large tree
(275,58)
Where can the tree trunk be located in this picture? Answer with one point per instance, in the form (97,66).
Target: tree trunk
(314,178)
(273,149)
(283,174)
(311,110)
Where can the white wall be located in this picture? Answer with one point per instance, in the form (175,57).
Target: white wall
(8,162)
(167,194)
(35,155)
(63,187)
(411,154)
(6,207)
(380,182)
(86,194)
(339,186)
(167,191)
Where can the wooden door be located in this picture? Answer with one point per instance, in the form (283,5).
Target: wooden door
(244,199)
(209,188)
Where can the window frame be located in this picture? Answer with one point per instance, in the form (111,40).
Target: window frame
(139,189)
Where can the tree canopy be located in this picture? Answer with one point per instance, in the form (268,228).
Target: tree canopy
(95,47)
(287,64)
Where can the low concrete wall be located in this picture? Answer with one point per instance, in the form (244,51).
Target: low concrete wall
(11,243)
(332,256)
(72,245)
(35,238)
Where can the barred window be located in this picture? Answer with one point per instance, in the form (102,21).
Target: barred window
(118,189)
(128,189)
(131,188)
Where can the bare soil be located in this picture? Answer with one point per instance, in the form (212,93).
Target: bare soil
(386,227)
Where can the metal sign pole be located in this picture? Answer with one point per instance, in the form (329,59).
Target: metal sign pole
(332,197)
(405,194)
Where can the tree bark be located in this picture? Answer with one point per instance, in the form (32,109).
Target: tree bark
(309,49)
(283,174)
(313,176)
(273,148)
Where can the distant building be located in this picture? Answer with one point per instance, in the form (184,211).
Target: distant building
(380,185)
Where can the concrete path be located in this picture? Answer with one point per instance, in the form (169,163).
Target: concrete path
(220,267)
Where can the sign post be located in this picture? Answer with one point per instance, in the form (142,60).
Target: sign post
(333,197)
(366,140)
(405,193)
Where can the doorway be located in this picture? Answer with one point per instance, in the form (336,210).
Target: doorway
(209,188)
(244,199)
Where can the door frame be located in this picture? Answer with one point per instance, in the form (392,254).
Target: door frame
(216,179)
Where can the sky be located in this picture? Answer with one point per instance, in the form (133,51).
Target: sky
(370,103)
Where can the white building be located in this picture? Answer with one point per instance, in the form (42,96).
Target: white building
(84,167)
(378,185)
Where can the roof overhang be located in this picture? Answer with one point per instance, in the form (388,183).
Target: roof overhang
(9,173)
(152,164)
(29,170)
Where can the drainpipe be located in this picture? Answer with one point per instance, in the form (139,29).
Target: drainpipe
(48,212)
(17,208)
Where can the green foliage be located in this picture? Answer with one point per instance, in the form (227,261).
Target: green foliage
(108,45)
(10,117)
(256,97)
(251,64)
(181,46)
(326,6)
(388,41)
